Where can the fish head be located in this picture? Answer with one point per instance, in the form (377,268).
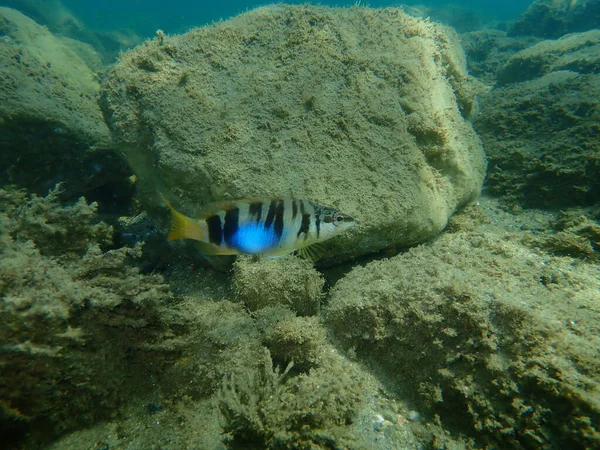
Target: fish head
(334,222)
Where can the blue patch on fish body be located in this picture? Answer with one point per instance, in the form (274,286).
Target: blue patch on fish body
(253,238)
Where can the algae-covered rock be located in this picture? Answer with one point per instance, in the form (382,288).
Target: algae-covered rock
(288,282)
(361,109)
(44,78)
(577,234)
(51,127)
(541,139)
(298,340)
(555,18)
(496,340)
(579,53)
(54,15)
(211,340)
(540,124)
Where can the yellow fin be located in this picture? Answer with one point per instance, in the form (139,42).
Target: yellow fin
(183,227)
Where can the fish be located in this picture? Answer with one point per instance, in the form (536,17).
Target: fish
(260,226)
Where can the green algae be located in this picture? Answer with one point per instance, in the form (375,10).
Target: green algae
(267,409)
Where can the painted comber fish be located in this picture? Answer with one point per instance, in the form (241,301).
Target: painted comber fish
(269,226)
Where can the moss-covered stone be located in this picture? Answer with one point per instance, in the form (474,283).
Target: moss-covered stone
(577,234)
(45,78)
(298,340)
(488,50)
(541,138)
(578,53)
(539,122)
(289,282)
(57,17)
(210,341)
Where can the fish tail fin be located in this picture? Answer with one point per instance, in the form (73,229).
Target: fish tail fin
(182,226)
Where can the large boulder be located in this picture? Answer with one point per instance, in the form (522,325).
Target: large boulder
(362,109)
(51,127)
(62,22)
(540,124)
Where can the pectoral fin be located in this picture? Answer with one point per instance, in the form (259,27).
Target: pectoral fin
(311,252)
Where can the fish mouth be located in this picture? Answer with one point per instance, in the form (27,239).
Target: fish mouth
(349,220)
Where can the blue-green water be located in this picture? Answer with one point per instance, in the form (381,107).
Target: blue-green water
(146,17)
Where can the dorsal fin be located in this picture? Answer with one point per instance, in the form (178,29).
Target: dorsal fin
(225,205)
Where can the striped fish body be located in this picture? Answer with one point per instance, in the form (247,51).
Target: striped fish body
(269,226)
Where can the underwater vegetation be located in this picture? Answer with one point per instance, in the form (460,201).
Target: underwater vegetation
(70,313)
(263,409)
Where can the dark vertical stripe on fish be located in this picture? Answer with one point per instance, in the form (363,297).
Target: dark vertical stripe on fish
(318,224)
(294,209)
(278,226)
(271,214)
(215,233)
(231,225)
(255,210)
(304,226)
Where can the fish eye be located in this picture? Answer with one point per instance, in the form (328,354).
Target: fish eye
(337,219)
